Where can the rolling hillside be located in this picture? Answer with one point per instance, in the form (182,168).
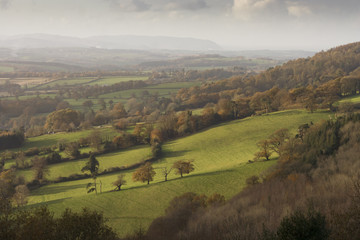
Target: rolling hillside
(220,157)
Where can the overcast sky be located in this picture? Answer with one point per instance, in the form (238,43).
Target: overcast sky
(240,24)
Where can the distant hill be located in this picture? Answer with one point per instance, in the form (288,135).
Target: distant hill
(150,43)
(107,42)
(211,61)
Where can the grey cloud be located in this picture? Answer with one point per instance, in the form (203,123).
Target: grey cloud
(187,5)
(344,6)
(140,5)
(335,6)
(250,9)
(163,5)
(129,5)
(4,4)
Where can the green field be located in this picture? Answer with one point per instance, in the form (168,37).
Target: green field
(197,111)
(52,139)
(67,82)
(220,157)
(164,89)
(88,81)
(175,85)
(25,97)
(113,80)
(119,158)
(48,140)
(6,69)
(352,99)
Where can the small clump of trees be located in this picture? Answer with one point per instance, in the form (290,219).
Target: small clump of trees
(40,168)
(274,144)
(13,191)
(146,172)
(62,120)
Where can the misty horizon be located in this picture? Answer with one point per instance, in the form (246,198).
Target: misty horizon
(232,24)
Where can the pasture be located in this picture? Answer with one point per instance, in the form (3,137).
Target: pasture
(164,89)
(6,69)
(52,139)
(66,82)
(112,80)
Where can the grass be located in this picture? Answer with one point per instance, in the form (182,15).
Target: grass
(6,69)
(164,89)
(352,99)
(176,85)
(220,157)
(67,82)
(113,80)
(25,97)
(52,139)
(114,159)
(197,111)
(139,205)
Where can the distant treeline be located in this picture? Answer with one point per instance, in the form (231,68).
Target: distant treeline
(60,75)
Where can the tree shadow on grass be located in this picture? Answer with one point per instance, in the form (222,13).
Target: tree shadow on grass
(177,178)
(192,175)
(35,205)
(58,189)
(119,151)
(40,143)
(170,154)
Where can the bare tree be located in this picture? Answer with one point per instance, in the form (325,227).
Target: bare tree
(119,182)
(166,171)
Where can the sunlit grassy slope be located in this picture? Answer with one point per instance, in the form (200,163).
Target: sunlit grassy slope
(52,139)
(48,140)
(220,157)
(352,99)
